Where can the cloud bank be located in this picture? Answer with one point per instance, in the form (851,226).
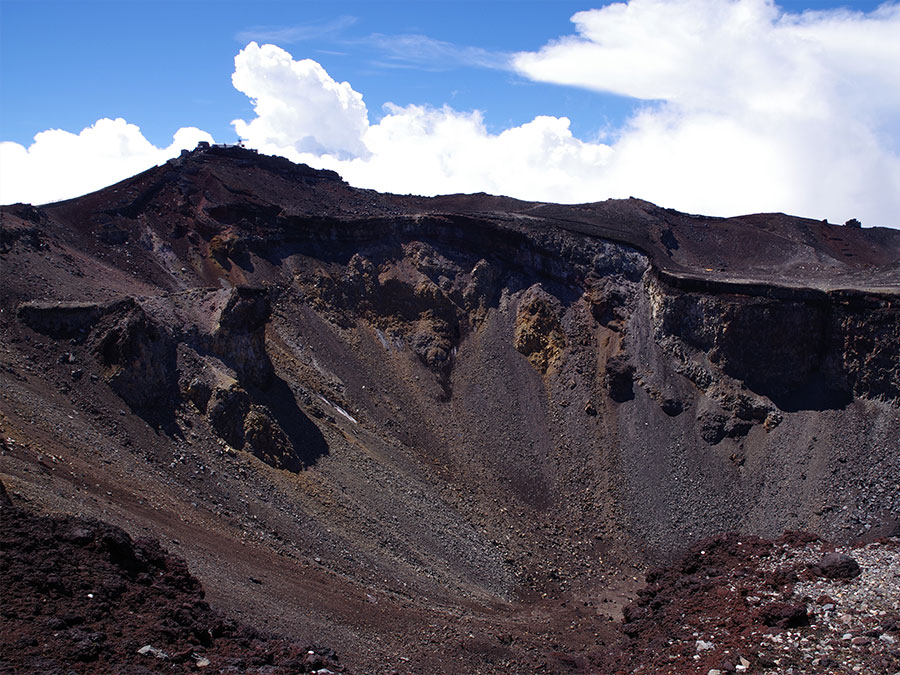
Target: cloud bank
(740,108)
(303,114)
(298,107)
(60,164)
(752,109)
(746,109)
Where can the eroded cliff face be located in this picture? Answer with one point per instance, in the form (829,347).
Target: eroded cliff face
(458,402)
(801,349)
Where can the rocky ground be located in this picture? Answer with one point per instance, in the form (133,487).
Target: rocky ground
(794,605)
(80,596)
(451,435)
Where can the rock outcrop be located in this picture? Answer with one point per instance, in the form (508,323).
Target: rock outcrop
(61,319)
(801,349)
(538,333)
(239,336)
(82,594)
(137,356)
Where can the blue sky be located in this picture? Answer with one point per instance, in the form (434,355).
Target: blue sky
(164,65)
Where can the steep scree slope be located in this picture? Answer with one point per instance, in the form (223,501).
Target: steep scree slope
(440,433)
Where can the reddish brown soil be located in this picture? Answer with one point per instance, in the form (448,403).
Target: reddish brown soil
(82,596)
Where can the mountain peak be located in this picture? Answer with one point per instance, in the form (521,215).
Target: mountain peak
(245,157)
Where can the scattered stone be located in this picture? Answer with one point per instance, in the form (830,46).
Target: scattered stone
(147,613)
(150,650)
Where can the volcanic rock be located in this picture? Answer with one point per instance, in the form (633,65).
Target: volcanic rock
(239,335)
(137,357)
(228,410)
(538,333)
(784,615)
(836,566)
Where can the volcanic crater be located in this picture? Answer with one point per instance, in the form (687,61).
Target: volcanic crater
(439,435)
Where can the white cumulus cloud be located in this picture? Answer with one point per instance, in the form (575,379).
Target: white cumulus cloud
(303,114)
(60,164)
(746,109)
(751,108)
(298,105)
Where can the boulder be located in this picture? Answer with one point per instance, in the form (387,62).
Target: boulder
(268,441)
(836,566)
(137,356)
(783,615)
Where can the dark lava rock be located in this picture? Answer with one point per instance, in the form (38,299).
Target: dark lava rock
(784,615)
(712,427)
(620,379)
(239,338)
(836,566)
(227,412)
(268,440)
(198,392)
(60,319)
(672,407)
(137,356)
